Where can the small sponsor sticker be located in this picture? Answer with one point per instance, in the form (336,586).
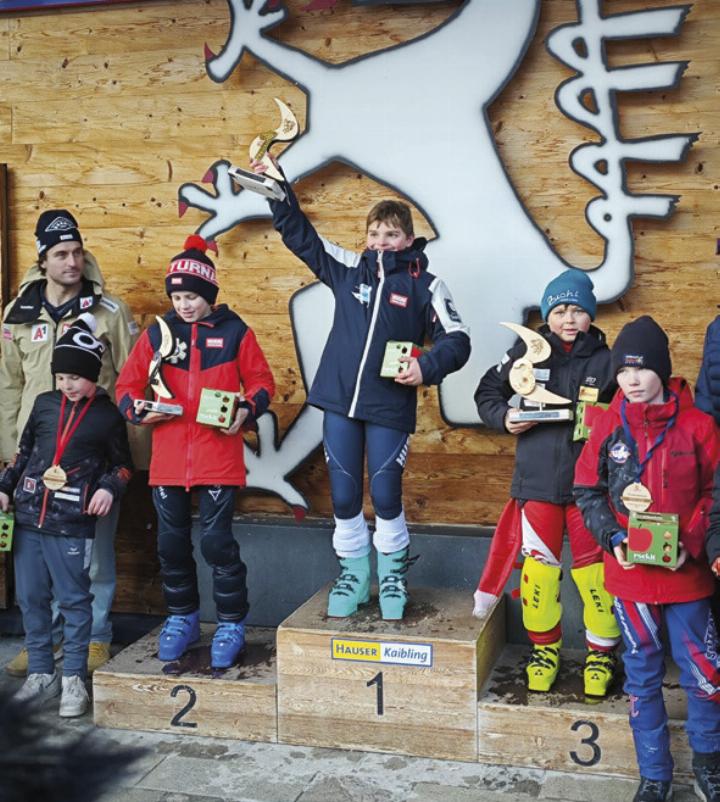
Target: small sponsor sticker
(86,303)
(619,453)
(394,653)
(214,342)
(176,280)
(39,333)
(542,374)
(7,333)
(29,484)
(590,394)
(399,300)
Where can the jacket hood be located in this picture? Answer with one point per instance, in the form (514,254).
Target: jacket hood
(91,272)
(677,385)
(412,258)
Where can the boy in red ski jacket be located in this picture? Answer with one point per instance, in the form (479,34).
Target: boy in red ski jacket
(215,350)
(653,450)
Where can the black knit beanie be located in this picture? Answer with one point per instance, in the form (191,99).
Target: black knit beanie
(643,344)
(54,226)
(78,351)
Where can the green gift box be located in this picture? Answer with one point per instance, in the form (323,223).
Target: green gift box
(7,524)
(653,538)
(586,413)
(394,349)
(217,408)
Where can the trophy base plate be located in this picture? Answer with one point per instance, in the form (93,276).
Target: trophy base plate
(163,407)
(268,187)
(541,415)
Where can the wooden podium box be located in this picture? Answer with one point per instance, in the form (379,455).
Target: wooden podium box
(561,730)
(135,690)
(409,687)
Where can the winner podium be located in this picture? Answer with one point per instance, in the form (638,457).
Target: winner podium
(407,687)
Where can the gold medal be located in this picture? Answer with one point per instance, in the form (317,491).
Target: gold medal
(55,478)
(636,497)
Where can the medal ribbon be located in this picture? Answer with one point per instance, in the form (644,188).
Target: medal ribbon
(65,433)
(658,440)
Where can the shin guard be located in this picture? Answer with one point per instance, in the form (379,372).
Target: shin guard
(540,593)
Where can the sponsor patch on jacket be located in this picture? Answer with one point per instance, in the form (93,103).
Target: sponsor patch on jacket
(215,342)
(29,484)
(619,453)
(542,374)
(587,393)
(86,302)
(7,333)
(65,326)
(39,333)
(452,312)
(399,300)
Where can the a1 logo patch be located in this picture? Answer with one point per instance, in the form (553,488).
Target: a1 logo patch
(39,333)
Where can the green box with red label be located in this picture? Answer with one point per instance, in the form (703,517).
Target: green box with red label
(217,408)
(653,539)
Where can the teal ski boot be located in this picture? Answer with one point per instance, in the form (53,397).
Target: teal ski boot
(351,588)
(393,584)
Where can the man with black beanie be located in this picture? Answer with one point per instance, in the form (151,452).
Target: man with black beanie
(63,283)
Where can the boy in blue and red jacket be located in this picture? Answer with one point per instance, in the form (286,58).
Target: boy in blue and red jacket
(654,445)
(216,350)
(385,293)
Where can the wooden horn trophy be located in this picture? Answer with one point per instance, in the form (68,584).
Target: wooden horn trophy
(270,183)
(525,383)
(169,348)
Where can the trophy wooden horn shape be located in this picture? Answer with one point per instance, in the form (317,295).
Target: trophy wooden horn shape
(167,348)
(287,130)
(522,377)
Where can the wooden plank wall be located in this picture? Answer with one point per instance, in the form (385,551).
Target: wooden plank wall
(108,111)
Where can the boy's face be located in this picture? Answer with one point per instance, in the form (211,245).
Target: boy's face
(641,385)
(383,236)
(74,387)
(566,321)
(189,306)
(64,263)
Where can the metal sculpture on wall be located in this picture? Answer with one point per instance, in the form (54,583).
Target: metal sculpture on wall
(488,249)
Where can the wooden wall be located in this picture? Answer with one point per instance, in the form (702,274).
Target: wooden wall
(107,112)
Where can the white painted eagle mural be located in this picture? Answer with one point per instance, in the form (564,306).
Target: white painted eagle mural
(430,139)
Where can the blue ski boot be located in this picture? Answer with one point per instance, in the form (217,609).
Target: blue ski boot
(351,588)
(393,583)
(177,634)
(227,643)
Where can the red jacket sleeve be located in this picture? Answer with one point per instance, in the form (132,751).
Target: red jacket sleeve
(132,382)
(256,376)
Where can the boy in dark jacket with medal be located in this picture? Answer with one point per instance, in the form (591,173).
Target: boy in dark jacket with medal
(73,462)
(215,350)
(542,508)
(654,451)
(386,293)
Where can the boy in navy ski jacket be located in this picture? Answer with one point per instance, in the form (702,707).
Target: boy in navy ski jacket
(386,293)
(73,463)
